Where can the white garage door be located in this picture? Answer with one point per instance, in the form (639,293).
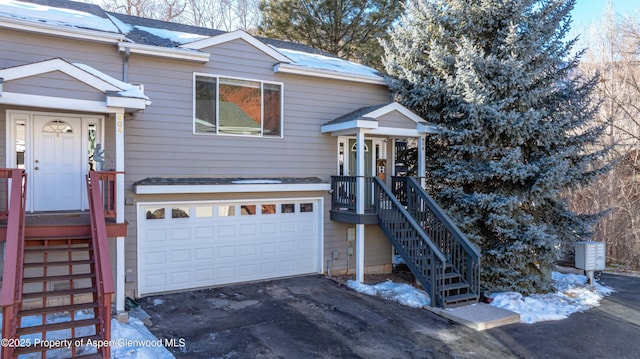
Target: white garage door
(190,245)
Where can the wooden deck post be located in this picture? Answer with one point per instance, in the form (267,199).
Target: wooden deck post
(120,249)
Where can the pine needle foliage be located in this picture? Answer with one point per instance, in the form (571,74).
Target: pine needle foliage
(500,80)
(346,28)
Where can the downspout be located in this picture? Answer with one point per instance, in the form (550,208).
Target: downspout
(125,65)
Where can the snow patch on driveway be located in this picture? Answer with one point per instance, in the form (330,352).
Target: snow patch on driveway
(398,292)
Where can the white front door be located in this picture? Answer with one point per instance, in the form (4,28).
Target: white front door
(57,176)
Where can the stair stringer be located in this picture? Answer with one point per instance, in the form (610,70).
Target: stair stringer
(431,267)
(414,246)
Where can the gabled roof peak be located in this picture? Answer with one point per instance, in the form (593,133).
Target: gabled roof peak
(117,92)
(236,35)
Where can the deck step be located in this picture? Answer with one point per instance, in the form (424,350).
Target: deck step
(56,238)
(56,278)
(37,249)
(90,356)
(40,348)
(60,263)
(57,309)
(41,237)
(457,285)
(57,326)
(460,299)
(59,293)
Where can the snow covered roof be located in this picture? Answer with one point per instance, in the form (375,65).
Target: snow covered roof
(161,38)
(78,15)
(368,118)
(57,13)
(118,93)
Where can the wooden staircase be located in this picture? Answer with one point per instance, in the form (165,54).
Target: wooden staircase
(60,300)
(57,284)
(440,257)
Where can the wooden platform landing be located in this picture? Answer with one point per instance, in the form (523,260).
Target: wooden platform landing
(49,223)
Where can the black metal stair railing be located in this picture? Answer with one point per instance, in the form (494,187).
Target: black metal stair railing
(421,256)
(451,242)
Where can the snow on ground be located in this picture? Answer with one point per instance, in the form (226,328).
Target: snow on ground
(397,292)
(572,295)
(134,341)
(138,342)
(128,341)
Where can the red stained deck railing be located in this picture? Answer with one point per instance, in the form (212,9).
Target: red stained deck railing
(107,185)
(14,181)
(101,185)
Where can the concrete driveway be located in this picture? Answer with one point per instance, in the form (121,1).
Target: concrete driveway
(315,317)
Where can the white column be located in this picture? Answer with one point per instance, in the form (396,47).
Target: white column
(422,159)
(120,267)
(360,195)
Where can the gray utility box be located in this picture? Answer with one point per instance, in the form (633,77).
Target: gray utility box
(590,256)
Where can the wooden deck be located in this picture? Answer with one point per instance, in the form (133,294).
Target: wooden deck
(48,223)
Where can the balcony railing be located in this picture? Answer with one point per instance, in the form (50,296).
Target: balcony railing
(14,181)
(107,183)
(344,196)
(96,184)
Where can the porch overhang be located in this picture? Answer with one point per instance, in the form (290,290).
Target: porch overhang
(175,185)
(391,119)
(119,96)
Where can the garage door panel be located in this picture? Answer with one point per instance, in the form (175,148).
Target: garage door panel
(288,265)
(180,234)
(158,258)
(268,228)
(226,251)
(287,246)
(268,248)
(156,237)
(204,253)
(305,245)
(287,227)
(180,278)
(226,272)
(204,232)
(212,249)
(181,256)
(248,270)
(227,230)
(203,275)
(248,250)
(158,280)
(248,229)
(306,226)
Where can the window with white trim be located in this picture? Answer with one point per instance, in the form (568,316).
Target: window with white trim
(231,106)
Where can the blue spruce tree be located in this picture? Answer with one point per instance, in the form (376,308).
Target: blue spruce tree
(500,80)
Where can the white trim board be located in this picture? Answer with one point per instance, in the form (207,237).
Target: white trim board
(292,68)
(231,188)
(58,103)
(170,53)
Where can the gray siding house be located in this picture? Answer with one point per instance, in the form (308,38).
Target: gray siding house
(224,145)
